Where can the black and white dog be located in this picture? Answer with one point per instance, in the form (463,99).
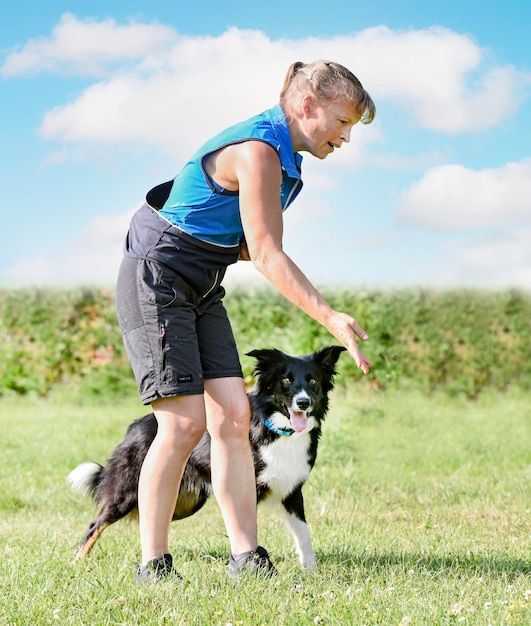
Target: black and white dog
(288,405)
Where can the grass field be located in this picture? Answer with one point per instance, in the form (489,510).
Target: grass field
(419,508)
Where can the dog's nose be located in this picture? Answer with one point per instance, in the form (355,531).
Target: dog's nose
(303,403)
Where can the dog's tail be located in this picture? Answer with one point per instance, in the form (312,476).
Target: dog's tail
(85,478)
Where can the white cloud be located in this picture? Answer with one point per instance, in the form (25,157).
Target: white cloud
(378,242)
(452,197)
(441,77)
(148,86)
(178,100)
(501,259)
(93,258)
(160,88)
(399,162)
(87,47)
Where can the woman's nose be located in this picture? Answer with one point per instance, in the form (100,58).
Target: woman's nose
(345,134)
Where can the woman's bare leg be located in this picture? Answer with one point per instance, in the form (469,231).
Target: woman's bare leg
(181,423)
(233,479)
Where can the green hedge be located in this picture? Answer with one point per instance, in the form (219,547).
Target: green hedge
(458,341)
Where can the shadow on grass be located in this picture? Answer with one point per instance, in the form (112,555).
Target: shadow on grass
(469,563)
(346,564)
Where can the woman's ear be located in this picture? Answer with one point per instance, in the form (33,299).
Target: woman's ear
(307,105)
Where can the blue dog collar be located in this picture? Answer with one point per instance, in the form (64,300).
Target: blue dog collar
(277,431)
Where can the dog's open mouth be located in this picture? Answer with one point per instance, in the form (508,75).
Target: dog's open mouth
(298,420)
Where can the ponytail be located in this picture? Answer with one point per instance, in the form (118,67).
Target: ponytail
(290,75)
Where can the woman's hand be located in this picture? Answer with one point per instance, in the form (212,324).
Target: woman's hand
(346,329)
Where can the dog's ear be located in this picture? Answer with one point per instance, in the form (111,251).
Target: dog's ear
(255,353)
(266,355)
(327,357)
(267,360)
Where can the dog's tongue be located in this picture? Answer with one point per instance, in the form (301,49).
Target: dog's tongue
(298,420)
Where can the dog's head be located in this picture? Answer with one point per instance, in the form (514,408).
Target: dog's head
(296,387)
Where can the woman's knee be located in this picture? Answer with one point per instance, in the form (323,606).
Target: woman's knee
(228,416)
(181,423)
(239,420)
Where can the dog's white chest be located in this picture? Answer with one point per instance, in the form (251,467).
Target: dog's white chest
(286,464)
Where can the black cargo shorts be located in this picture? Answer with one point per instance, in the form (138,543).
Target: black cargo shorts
(175,328)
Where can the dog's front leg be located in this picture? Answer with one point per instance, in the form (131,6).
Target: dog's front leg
(293,515)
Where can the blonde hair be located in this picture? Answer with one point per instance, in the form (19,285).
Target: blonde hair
(327,81)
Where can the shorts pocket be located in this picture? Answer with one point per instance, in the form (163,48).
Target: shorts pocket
(156,285)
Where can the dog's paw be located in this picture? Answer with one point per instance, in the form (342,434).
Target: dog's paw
(310,565)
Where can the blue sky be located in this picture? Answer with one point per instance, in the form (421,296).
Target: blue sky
(101,102)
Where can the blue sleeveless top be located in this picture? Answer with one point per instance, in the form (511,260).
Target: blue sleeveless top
(201,208)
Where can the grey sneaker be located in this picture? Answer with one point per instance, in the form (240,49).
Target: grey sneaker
(253,562)
(156,569)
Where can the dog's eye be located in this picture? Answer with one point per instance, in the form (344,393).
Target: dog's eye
(286,381)
(313,383)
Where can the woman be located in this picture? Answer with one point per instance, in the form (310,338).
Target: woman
(225,204)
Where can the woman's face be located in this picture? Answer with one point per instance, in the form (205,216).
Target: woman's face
(327,126)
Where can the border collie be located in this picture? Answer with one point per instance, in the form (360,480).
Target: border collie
(288,405)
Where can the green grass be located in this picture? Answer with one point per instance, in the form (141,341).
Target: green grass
(419,508)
